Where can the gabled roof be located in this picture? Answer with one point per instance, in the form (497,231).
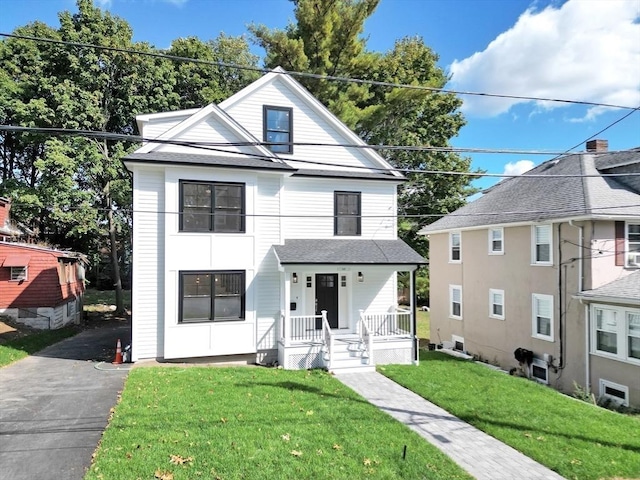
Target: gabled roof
(625,290)
(345,251)
(527,198)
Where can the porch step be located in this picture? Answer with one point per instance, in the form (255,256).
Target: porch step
(347,357)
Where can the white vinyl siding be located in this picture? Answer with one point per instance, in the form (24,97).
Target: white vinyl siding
(148,258)
(308,207)
(615,332)
(455,301)
(496,241)
(455,247)
(541,245)
(496,304)
(542,316)
(309,127)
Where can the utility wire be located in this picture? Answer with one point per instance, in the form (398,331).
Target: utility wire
(309,75)
(204,146)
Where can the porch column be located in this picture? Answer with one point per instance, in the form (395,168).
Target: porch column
(286,314)
(414,317)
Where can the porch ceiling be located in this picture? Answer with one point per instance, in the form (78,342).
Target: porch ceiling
(343,251)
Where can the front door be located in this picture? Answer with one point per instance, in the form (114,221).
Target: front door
(327,297)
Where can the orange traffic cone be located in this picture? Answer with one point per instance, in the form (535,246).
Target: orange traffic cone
(118,359)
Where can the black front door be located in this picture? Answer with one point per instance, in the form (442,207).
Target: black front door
(327,296)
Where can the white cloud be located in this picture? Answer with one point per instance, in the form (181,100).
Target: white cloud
(518,168)
(105,4)
(586,51)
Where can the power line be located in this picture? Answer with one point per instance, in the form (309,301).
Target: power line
(206,147)
(316,76)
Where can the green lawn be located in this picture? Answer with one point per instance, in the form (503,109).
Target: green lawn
(256,423)
(19,348)
(576,439)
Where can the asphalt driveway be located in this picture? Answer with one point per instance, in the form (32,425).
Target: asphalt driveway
(55,404)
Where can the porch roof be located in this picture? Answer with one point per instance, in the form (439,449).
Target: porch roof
(343,251)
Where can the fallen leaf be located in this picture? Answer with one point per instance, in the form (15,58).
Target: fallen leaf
(286,437)
(366,462)
(337,447)
(160,475)
(296,453)
(309,412)
(223,420)
(179,460)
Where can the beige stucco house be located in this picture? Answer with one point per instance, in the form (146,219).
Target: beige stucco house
(547,265)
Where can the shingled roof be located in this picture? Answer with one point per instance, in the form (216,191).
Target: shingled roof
(533,198)
(344,251)
(624,290)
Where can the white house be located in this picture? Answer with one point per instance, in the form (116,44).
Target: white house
(253,238)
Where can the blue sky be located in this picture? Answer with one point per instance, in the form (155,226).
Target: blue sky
(586,50)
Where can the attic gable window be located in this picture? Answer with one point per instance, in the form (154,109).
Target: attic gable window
(278,128)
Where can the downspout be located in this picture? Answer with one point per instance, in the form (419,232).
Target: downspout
(587,357)
(560,336)
(580,258)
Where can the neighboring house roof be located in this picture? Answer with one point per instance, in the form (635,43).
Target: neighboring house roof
(343,251)
(238,161)
(624,290)
(536,199)
(17,259)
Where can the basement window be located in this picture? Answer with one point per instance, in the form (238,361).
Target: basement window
(614,392)
(540,371)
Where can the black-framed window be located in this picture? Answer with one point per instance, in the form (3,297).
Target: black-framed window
(212,207)
(347,213)
(213,296)
(278,128)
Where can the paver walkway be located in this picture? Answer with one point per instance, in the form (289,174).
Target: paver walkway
(481,455)
(55,404)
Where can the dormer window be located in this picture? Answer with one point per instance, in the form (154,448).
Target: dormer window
(278,128)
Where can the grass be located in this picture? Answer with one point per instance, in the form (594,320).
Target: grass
(99,300)
(20,348)
(256,423)
(424,323)
(576,439)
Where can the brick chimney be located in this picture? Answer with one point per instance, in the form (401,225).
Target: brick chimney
(5,206)
(597,145)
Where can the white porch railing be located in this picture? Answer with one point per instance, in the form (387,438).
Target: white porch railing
(327,338)
(390,324)
(366,338)
(301,329)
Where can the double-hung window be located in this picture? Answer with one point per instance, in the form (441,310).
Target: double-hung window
(347,214)
(212,296)
(278,128)
(542,316)
(616,332)
(212,207)
(496,303)
(541,240)
(496,241)
(455,247)
(455,301)
(633,244)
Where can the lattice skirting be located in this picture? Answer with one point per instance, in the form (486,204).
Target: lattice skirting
(395,355)
(301,358)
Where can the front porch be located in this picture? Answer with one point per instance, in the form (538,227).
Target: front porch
(308,341)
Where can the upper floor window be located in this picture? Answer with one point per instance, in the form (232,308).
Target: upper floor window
(347,213)
(616,332)
(212,207)
(455,301)
(455,247)
(211,296)
(633,244)
(496,303)
(496,241)
(542,316)
(278,128)
(541,240)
